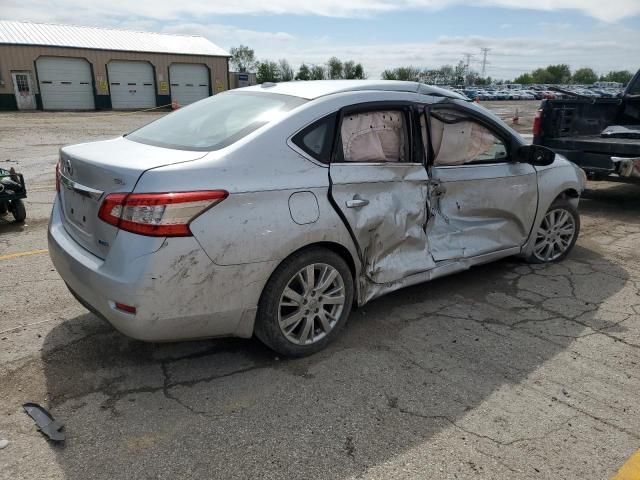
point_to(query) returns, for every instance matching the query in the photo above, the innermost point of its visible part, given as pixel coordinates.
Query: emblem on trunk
(68, 167)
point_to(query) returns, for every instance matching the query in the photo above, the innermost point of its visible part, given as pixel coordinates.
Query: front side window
(215, 122)
(374, 136)
(460, 140)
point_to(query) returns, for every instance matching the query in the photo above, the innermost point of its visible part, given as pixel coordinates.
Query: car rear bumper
(178, 292)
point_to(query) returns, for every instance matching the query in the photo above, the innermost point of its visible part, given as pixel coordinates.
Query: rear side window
(317, 139)
(377, 136)
(215, 122)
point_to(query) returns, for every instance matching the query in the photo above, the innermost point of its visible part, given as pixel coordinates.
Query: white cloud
(509, 57)
(609, 11)
(603, 47)
(228, 34)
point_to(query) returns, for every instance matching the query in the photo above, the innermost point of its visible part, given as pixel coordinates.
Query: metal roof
(318, 88)
(50, 35)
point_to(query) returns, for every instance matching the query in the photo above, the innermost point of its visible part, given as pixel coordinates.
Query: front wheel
(18, 210)
(305, 303)
(557, 233)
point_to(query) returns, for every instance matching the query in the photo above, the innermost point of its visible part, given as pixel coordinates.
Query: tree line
(562, 74)
(459, 74)
(243, 59)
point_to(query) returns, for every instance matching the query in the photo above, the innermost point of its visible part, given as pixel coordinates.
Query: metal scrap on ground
(45, 422)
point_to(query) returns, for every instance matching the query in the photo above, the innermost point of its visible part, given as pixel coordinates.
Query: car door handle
(357, 202)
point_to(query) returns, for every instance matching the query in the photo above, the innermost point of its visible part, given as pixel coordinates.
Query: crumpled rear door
(383, 200)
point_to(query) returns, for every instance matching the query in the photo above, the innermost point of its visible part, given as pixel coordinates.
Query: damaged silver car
(274, 210)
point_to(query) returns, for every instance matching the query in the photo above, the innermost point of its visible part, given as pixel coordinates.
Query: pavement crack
(483, 436)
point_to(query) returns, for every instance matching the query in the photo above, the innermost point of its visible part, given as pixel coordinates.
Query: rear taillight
(158, 214)
(537, 121)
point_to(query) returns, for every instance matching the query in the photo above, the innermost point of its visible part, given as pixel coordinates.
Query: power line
(485, 51)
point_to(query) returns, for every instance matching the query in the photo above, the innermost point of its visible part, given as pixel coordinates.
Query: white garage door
(131, 84)
(189, 82)
(65, 83)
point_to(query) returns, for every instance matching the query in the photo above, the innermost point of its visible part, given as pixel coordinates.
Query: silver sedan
(274, 210)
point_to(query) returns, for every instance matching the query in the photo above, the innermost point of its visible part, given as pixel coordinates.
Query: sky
(381, 34)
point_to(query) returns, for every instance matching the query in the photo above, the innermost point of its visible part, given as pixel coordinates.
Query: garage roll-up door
(131, 84)
(189, 82)
(65, 83)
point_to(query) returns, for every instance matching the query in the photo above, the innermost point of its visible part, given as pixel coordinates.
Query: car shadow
(406, 367)
(613, 200)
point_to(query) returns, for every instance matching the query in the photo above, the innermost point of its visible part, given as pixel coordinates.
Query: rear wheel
(3, 208)
(18, 210)
(557, 233)
(305, 303)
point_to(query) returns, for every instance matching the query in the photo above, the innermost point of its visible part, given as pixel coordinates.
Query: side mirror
(536, 155)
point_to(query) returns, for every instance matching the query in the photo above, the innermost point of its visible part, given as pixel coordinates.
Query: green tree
(542, 75)
(389, 75)
(304, 73)
(622, 76)
(402, 73)
(352, 70)
(358, 72)
(560, 73)
(268, 71)
(348, 69)
(334, 68)
(584, 76)
(285, 70)
(525, 79)
(317, 72)
(243, 58)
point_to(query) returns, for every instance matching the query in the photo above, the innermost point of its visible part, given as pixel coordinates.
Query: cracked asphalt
(506, 371)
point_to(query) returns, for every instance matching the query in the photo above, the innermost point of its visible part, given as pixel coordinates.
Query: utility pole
(485, 51)
(467, 61)
(467, 57)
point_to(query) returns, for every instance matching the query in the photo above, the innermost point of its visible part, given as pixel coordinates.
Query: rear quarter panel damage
(180, 288)
(258, 227)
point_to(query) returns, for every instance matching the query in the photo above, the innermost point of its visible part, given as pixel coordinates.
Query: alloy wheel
(311, 304)
(555, 235)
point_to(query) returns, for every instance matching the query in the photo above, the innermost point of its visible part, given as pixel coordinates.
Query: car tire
(557, 233)
(18, 210)
(3, 208)
(299, 313)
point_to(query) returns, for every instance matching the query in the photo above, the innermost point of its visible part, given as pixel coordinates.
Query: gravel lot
(506, 371)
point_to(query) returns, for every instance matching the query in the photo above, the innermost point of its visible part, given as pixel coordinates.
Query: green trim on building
(8, 101)
(103, 102)
(163, 100)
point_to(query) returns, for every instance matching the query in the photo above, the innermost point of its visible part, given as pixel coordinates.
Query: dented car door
(482, 200)
(379, 187)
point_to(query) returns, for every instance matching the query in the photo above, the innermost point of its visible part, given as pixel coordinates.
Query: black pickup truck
(600, 135)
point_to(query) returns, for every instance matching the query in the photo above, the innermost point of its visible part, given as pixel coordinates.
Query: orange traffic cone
(516, 118)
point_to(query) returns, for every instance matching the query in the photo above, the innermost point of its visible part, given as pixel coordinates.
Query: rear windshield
(215, 122)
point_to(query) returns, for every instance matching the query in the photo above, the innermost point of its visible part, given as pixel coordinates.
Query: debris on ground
(3, 443)
(45, 422)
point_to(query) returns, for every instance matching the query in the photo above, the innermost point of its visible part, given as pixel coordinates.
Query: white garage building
(62, 67)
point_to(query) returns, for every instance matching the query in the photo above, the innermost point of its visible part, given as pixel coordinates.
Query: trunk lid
(91, 171)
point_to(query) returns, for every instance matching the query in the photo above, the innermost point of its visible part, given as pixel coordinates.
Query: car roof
(311, 89)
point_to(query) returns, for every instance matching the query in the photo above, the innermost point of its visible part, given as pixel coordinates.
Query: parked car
(273, 210)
